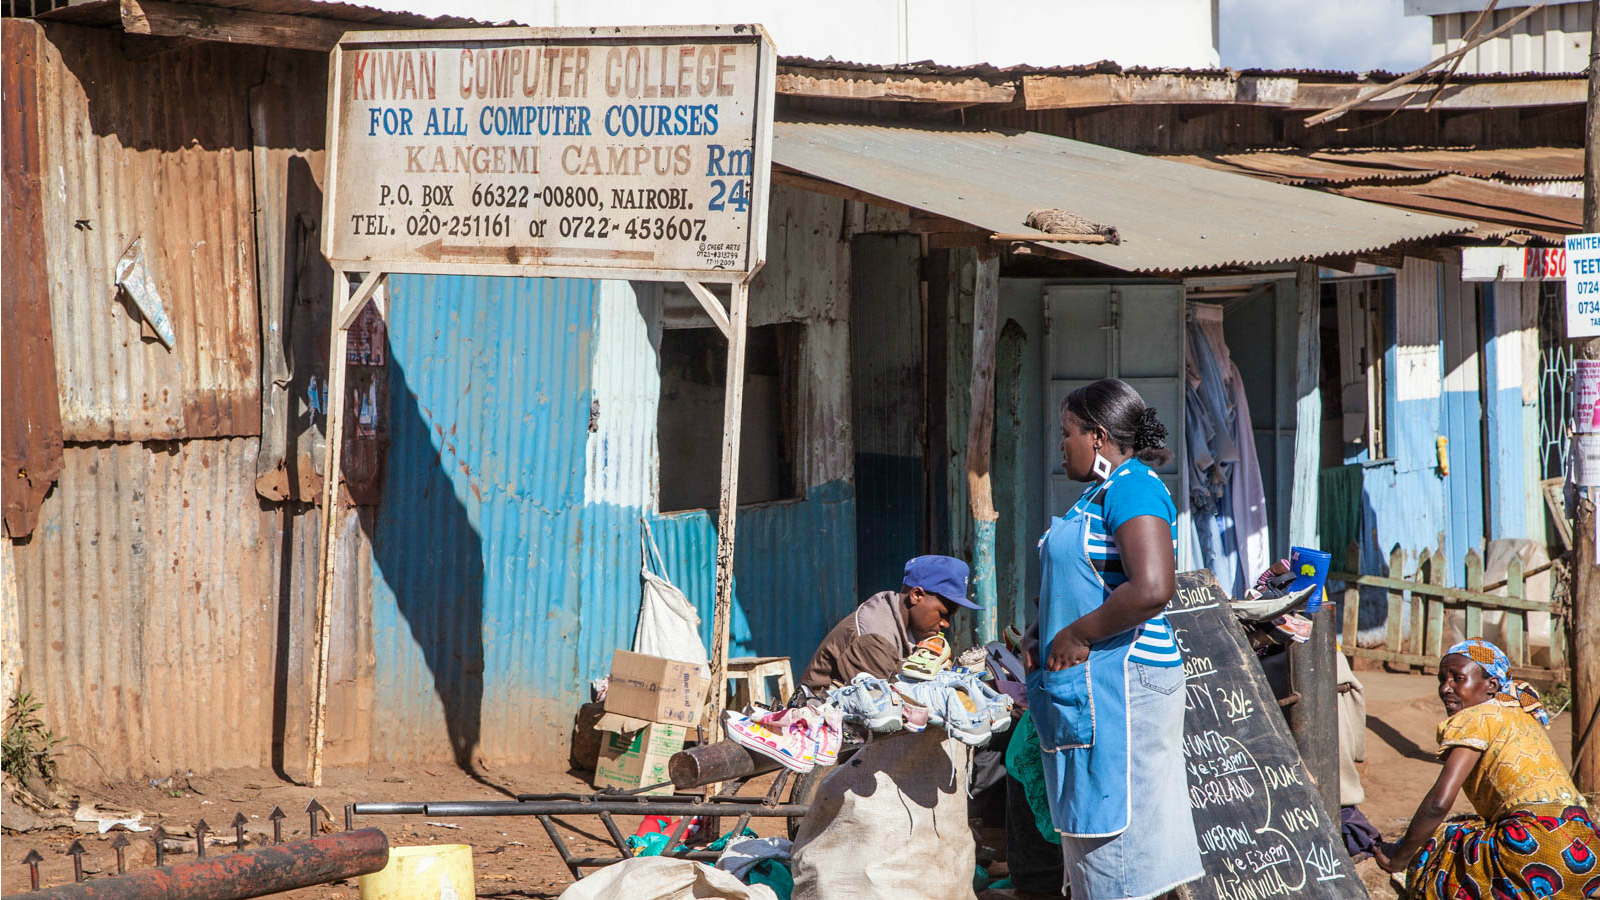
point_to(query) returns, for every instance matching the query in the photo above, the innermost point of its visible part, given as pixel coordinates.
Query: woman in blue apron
(1108, 699)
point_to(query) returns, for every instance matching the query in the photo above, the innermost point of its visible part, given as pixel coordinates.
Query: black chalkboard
(1263, 830)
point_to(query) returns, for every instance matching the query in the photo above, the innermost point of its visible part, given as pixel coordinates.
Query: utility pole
(1584, 602)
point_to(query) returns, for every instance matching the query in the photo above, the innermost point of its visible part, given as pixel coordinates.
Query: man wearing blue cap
(891, 821)
(885, 628)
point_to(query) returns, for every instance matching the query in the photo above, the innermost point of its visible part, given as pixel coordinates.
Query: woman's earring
(1102, 466)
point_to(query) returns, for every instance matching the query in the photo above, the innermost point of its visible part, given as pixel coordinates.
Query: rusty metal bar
(621, 808)
(237, 876)
(561, 846)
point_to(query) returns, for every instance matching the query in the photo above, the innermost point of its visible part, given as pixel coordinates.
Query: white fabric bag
(668, 625)
(664, 878)
(890, 823)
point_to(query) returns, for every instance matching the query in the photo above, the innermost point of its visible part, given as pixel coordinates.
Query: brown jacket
(872, 639)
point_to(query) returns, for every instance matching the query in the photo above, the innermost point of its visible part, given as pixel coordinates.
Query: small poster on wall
(1583, 285)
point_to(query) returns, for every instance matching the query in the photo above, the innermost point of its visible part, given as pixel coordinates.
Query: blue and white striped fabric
(1131, 491)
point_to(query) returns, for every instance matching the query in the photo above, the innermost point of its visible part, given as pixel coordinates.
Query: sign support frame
(731, 319)
(731, 322)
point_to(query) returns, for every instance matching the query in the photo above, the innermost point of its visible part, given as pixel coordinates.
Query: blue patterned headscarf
(1496, 665)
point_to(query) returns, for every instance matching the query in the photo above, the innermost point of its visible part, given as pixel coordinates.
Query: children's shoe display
(829, 729)
(786, 736)
(868, 700)
(966, 715)
(926, 697)
(927, 659)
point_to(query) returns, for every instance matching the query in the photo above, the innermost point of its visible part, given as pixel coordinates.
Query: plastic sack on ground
(668, 625)
(664, 878)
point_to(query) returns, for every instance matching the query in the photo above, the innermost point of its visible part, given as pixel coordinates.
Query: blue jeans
(1159, 850)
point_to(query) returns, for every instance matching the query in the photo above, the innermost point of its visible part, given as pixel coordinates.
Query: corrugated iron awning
(1334, 168)
(1502, 211)
(1171, 216)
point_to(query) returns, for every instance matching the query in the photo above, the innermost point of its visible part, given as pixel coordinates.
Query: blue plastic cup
(1310, 568)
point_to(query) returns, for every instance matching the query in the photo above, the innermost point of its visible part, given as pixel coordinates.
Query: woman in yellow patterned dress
(1531, 837)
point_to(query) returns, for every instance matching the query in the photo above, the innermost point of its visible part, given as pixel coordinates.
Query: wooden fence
(1417, 639)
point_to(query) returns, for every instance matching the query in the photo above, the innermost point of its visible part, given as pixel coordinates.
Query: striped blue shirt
(1131, 491)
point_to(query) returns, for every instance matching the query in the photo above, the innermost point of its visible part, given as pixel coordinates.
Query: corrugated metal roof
(1501, 211)
(108, 12)
(148, 611)
(157, 148)
(1111, 67)
(1171, 216)
(1344, 167)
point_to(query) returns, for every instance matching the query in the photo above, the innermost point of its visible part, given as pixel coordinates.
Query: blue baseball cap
(942, 575)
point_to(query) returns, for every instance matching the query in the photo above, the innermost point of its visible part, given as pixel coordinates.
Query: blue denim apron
(1081, 713)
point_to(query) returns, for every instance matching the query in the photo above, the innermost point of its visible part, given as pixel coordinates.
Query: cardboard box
(630, 760)
(655, 689)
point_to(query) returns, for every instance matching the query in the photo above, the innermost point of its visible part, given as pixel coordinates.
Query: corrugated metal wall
(1553, 39)
(476, 559)
(147, 609)
(157, 148)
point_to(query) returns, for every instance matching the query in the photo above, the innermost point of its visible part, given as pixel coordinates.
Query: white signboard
(1583, 285)
(617, 152)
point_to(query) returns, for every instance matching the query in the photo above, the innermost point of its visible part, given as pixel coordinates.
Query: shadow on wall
(431, 558)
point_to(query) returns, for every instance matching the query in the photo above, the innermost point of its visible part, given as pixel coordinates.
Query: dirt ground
(513, 857)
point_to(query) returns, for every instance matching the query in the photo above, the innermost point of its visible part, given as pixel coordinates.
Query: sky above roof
(1355, 35)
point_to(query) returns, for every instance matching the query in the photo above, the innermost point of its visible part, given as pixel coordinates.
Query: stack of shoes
(800, 738)
(927, 659)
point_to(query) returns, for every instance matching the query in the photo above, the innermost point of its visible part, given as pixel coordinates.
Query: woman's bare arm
(1432, 811)
(1145, 546)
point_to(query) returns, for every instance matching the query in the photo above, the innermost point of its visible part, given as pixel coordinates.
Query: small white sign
(1583, 285)
(591, 152)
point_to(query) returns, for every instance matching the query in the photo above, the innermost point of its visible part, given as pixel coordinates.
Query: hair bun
(1150, 433)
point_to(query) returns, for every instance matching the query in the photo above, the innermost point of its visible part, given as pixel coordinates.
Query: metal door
(1134, 332)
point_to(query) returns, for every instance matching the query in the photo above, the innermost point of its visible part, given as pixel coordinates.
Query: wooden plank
(1329, 115)
(234, 26)
(1118, 89)
(1474, 584)
(1395, 639)
(980, 440)
(1488, 601)
(1516, 620)
(1307, 407)
(727, 504)
(1556, 505)
(338, 342)
(846, 84)
(1352, 596)
(1435, 643)
(712, 306)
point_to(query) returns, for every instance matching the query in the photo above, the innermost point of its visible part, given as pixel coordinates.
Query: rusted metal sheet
(295, 282)
(1346, 167)
(107, 12)
(148, 608)
(1500, 210)
(155, 148)
(30, 458)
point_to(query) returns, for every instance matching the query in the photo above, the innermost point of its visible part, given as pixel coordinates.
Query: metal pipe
(618, 808)
(236, 876)
(390, 809)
